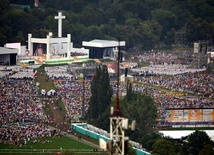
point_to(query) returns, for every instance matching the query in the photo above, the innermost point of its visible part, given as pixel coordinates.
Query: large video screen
(39, 49)
(189, 115)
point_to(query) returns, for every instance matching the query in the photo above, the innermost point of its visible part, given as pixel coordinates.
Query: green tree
(107, 31)
(130, 151)
(150, 32)
(196, 142)
(136, 7)
(63, 5)
(166, 19)
(141, 23)
(117, 13)
(6, 35)
(4, 6)
(163, 147)
(182, 12)
(166, 4)
(72, 18)
(91, 15)
(149, 139)
(19, 20)
(170, 37)
(93, 102)
(91, 32)
(22, 2)
(104, 4)
(20, 38)
(76, 30)
(206, 11)
(105, 91)
(100, 99)
(141, 108)
(120, 31)
(207, 150)
(51, 24)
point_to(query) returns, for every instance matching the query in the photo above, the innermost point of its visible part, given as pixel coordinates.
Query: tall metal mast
(117, 122)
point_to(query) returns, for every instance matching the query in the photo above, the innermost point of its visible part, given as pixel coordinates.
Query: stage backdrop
(189, 115)
(39, 49)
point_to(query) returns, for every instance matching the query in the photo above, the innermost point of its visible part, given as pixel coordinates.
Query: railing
(45, 150)
(83, 128)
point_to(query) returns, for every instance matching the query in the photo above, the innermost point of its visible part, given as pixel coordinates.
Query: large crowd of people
(193, 90)
(21, 114)
(21, 111)
(179, 85)
(200, 84)
(72, 95)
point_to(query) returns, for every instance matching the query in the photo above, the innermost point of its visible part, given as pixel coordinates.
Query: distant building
(98, 49)
(8, 56)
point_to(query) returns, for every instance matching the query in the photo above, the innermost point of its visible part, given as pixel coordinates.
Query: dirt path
(59, 120)
(55, 111)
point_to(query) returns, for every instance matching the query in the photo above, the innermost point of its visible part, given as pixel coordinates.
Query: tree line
(143, 24)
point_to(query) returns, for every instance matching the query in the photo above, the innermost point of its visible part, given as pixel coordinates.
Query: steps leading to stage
(22, 65)
(39, 61)
(97, 60)
(75, 58)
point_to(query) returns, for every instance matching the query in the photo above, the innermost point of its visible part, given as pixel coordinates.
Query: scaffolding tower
(180, 39)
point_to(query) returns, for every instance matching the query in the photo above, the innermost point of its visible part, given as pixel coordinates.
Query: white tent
(43, 92)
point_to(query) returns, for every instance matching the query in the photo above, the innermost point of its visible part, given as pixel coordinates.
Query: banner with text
(189, 115)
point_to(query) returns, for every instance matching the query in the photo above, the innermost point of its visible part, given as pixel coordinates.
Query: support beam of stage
(69, 45)
(30, 44)
(48, 48)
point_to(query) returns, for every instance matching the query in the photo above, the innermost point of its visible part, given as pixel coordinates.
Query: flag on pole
(35, 74)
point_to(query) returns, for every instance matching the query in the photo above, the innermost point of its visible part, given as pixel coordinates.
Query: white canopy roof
(177, 134)
(103, 43)
(4, 50)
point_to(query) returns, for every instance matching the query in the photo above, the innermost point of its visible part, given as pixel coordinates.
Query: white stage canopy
(177, 134)
(103, 43)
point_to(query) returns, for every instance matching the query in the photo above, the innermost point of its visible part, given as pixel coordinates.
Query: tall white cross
(60, 18)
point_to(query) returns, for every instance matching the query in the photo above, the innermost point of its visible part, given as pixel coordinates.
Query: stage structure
(99, 49)
(54, 46)
(8, 56)
(180, 38)
(118, 124)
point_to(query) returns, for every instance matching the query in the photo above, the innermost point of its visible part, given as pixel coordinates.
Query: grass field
(54, 153)
(54, 142)
(49, 145)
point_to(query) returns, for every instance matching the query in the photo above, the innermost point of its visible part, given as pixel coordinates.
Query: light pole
(83, 97)
(118, 123)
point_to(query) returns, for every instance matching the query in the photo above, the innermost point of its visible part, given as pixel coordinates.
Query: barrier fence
(28, 151)
(86, 129)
